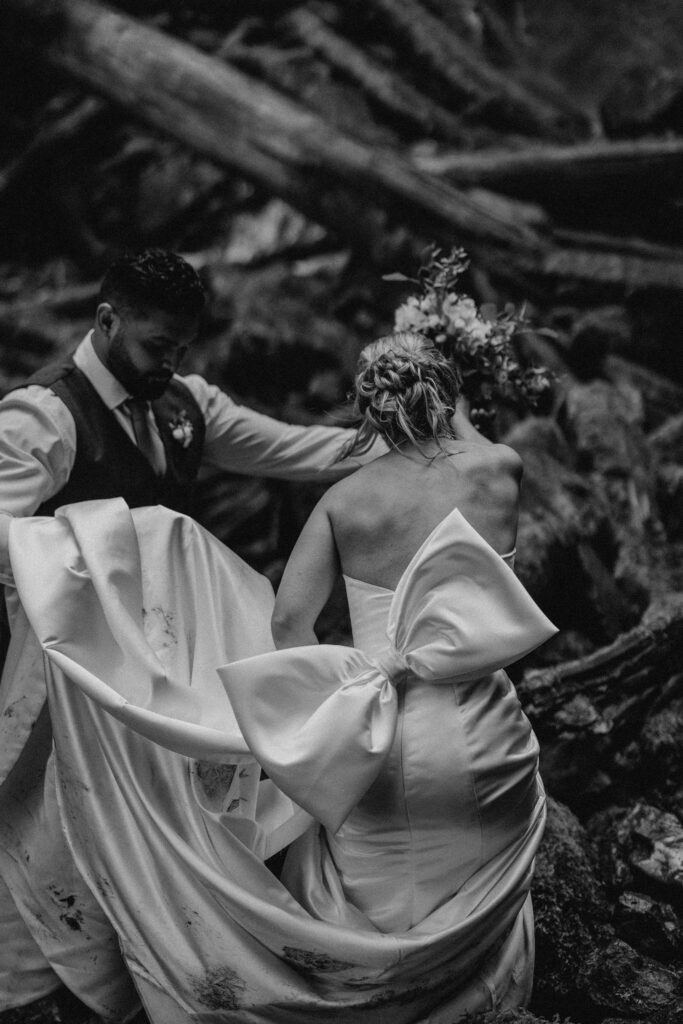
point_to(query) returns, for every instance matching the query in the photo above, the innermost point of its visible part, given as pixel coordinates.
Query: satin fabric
(446, 800)
(322, 719)
(173, 849)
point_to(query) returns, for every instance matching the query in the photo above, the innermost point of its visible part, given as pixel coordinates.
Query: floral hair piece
(478, 341)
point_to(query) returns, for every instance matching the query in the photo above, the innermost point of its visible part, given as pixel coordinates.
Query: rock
(603, 431)
(606, 434)
(595, 335)
(672, 1014)
(659, 855)
(651, 395)
(620, 979)
(516, 1016)
(571, 768)
(273, 230)
(565, 531)
(652, 928)
(654, 759)
(644, 845)
(605, 827)
(587, 711)
(660, 743)
(571, 913)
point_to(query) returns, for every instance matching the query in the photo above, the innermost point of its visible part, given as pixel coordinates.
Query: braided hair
(406, 390)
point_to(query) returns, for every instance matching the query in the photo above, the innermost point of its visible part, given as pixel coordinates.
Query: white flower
(459, 309)
(480, 330)
(182, 430)
(409, 317)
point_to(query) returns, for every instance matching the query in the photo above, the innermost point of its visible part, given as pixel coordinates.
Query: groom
(116, 420)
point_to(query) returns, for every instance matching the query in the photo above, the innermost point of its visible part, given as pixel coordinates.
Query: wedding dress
(402, 770)
(459, 783)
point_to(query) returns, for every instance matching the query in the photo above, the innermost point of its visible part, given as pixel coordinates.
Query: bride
(460, 779)
(400, 772)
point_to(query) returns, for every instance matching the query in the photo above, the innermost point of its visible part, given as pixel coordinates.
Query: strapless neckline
(507, 558)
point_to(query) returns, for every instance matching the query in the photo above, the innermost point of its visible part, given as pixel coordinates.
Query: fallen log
(608, 689)
(247, 126)
(462, 16)
(466, 73)
(612, 268)
(383, 86)
(58, 134)
(538, 171)
(605, 265)
(360, 192)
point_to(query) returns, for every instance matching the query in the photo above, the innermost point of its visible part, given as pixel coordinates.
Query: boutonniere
(182, 429)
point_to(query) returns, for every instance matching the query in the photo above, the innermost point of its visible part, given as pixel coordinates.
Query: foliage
(479, 341)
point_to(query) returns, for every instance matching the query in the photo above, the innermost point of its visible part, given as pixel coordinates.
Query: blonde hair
(406, 390)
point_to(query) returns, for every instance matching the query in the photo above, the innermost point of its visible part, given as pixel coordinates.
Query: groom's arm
(240, 440)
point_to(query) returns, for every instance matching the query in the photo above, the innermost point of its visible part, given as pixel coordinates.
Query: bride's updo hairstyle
(406, 391)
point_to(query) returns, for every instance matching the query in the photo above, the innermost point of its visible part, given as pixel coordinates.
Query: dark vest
(108, 464)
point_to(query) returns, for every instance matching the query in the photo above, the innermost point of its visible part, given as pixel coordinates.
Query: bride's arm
(307, 582)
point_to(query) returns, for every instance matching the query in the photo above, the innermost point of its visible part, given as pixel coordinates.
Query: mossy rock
(571, 913)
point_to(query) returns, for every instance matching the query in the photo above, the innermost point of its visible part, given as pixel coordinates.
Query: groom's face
(144, 348)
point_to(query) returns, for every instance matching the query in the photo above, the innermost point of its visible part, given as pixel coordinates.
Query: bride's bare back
(370, 525)
(382, 514)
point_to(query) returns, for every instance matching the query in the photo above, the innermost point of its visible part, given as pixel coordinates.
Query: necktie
(138, 409)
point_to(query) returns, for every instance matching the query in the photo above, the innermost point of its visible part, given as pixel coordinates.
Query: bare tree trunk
(608, 688)
(356, 190)
(654, 163)
(466, 73)
(247, 126)
(382, 85)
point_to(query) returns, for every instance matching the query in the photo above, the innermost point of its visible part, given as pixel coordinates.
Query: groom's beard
(140, 385)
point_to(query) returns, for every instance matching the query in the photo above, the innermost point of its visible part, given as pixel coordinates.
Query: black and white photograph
(341, 512)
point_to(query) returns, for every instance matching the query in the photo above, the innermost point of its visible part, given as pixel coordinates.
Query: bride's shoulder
(367, 487)
(507, 458)
(495, 458)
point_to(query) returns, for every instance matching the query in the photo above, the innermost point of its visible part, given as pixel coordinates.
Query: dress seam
(402, 713)
(470, 772)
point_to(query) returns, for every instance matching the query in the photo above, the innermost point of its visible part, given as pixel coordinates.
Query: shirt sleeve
(240, 440)
(37, 452)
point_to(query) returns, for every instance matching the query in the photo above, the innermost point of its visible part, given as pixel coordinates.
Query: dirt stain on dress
(219, 988)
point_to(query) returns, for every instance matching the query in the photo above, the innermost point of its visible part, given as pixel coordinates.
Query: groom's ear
(107, 319)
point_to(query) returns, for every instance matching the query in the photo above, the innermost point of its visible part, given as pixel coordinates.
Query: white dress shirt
(38, 440)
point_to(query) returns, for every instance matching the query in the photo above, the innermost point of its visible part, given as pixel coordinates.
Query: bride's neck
(431, 449)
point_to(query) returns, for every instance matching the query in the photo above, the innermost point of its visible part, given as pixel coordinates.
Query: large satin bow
(321, 719)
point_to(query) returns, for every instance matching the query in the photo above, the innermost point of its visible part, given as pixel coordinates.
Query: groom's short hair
(153, 279)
